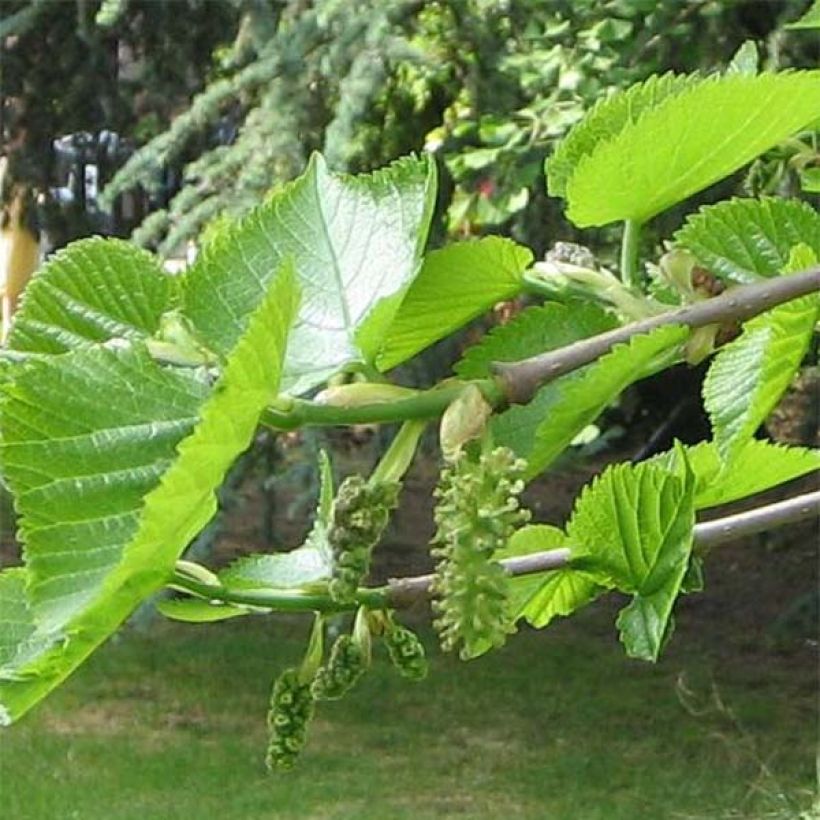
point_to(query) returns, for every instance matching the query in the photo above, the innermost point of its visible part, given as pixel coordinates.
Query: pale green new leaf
(744, 239)
(810, 20)
(605, 121)
(747, 377)
(456, 284)
(759, 466)
(356, 244)
(541, 430)
(687, 142)
(541, 597)
(310, 564)
(114, 462)
(632, 529)
(197, 611)
(745, 60)
(89, 292)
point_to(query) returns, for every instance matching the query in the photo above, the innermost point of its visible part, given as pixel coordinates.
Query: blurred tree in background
(225, 99)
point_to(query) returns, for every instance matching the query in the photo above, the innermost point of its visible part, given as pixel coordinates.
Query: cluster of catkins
(361, 512)
(292, 701)
(406, 651)
(346, 664)
(476, 513)
(291, 708)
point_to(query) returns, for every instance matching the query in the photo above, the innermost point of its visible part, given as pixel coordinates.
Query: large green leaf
(632, 529)
(456, 284)
(688, 141)
(541, 430)
(759, 466)
(91, 291)
(542, 596)
(114, 461)
(605, 121)
(356, 243)
(744, 239)
(747, 377)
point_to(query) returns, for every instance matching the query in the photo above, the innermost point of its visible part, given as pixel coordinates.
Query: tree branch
(517, 382)
(406, 591)
(521, 380)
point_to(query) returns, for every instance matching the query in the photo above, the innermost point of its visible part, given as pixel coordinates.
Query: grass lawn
(170, 724)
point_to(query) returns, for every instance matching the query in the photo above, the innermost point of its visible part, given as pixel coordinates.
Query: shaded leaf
(534, 330)
(542, 429)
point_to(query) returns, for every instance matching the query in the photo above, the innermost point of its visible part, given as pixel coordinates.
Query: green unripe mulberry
(291, 708)
(361, 512)
(347, 663)
(406, 651)
(476, 513)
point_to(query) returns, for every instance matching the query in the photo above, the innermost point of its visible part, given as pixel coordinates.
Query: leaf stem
(426, 405)
(629, 253)
(281, 600)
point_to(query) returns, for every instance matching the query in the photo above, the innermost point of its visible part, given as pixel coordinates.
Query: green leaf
(687, 142)
(296, 569)
(19, 639)
(605, 121)
(749, 375)
(632, 529)
(744, 239)
(114, 461)
(811, 19)
(534, 330)
(810, 180)
(197, 611)
(759, 466)
(302, 567)
(356, 243)
(541, 430)
(542, 596)
(456, 284)
(89, 292)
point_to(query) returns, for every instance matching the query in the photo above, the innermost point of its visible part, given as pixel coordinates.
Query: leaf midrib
(336, 267)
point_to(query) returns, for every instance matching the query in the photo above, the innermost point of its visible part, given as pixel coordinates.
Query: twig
(520, 380)
(517, 382)
(406, 591)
